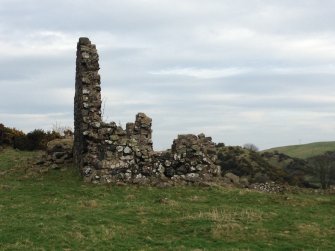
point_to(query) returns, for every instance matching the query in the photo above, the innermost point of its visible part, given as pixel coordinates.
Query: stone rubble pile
(268, 187)
(58, 153)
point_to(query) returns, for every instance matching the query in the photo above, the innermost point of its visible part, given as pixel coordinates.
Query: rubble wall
(87, 106)
(105, 152)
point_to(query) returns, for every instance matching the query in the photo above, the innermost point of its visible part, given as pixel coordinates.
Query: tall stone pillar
(87, 107)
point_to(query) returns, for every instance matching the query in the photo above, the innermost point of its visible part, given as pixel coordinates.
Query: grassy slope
(305, 151)
(56, 211)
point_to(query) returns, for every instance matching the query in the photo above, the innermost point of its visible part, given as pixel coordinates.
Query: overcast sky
(259, 71)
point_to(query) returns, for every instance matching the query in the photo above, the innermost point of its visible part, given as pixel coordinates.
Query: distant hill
(306, 150)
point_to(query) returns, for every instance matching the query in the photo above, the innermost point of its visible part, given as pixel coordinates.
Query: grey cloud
(30, 67)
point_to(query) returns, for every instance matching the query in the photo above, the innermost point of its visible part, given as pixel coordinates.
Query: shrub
(38, 139)
(21, 143)
(8, 135)
(35, 140)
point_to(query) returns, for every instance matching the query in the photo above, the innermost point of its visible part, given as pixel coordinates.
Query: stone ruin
(59, 152)
(105, 152)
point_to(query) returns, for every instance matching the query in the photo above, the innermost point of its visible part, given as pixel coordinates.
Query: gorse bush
(8, 135)
(35, 140)
(38, 139)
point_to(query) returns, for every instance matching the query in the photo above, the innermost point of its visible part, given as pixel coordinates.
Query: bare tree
(324, 167)
(251, 147)
(61, 130)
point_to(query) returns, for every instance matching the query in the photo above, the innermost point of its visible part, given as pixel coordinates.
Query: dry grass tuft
(5, 187)
(130, 197)
(99, 233)
(228, 216)
(229, 223)
(224, 230)
(107, 233)
(141, 210)
(310, 229)
(196, 198)
(89, 204)
(77, 236)
(19, 245)
(168, 202)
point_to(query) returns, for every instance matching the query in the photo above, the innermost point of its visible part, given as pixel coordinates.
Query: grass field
(56, 211)
(305, 151)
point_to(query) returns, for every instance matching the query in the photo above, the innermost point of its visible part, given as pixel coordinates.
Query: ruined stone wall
(191, 158)
(125, 154)
(87, 106)
(105, 152)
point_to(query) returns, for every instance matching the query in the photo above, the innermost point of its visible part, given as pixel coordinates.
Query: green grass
(305, 151)
(55, 210)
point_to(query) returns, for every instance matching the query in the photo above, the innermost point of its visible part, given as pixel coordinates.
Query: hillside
(55, 210)
(246, 163)
(306, 150)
